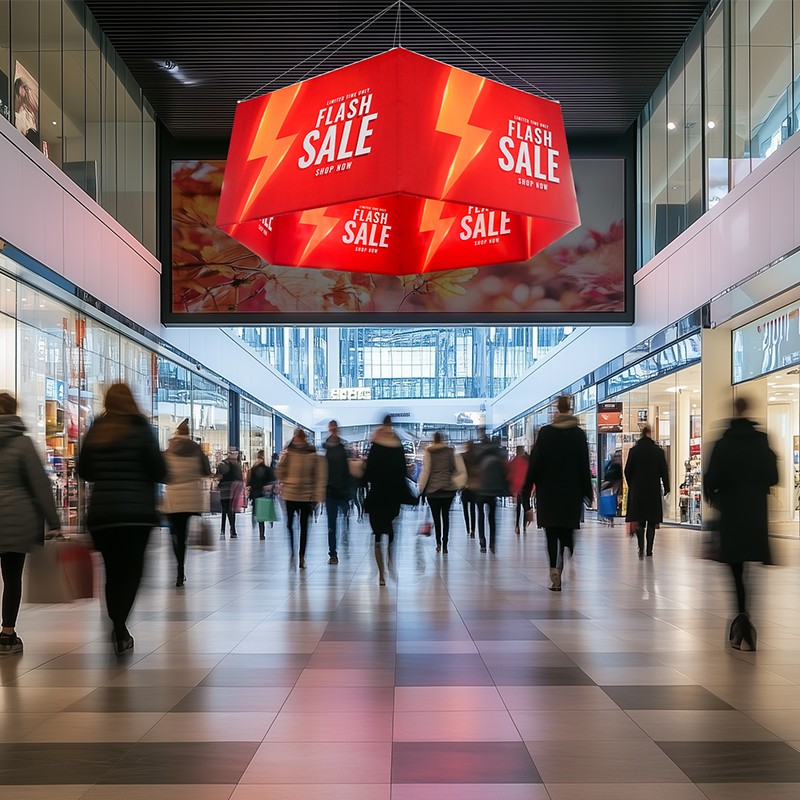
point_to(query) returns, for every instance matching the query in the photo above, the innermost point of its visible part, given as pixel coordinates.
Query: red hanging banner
(397, 164)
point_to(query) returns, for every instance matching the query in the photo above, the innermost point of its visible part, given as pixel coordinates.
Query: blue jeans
(332, 506)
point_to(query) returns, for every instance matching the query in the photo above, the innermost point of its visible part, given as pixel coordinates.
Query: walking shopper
(185, 493)
(646, 473)
(491, 460)
(559, 468)
(302, 474)
(260, 480)
(468, 504)
(741, 470)
(230, 483)
(121, 459)
(339, 486)
(385, 475)
(442, 474)
(26, 498)
(517, 470)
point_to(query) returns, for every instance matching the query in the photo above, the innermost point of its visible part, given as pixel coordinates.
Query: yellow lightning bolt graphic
(266, 143)
(460, 95)
(432, 221)
(324, 225)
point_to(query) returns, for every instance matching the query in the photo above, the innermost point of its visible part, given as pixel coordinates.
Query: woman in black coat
(646, 472)
(559, 470)
(121, 458)
(385, 474)
(741, 470)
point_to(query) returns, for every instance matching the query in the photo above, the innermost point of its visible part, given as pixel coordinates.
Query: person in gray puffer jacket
(26, 498)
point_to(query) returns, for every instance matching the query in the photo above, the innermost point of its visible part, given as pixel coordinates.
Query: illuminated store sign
(398, 165)
(768, 344)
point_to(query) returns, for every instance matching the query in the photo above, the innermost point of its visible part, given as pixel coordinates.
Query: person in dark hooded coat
(741, 470)
(559, 469)
(646, 472)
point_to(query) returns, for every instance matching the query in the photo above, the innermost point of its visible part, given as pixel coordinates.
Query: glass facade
(59, 362)
(403, 363)
(66, 90)
(729, 100)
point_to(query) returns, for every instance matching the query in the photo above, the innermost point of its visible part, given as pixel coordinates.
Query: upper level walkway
(258, 680)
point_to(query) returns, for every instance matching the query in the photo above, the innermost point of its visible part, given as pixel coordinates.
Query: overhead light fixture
(54, 122)
(711, 124)
(670, 126)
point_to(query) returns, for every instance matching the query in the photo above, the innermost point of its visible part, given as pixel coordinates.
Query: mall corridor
(463, 678)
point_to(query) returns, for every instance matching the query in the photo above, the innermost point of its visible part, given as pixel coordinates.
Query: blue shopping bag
(608, 505)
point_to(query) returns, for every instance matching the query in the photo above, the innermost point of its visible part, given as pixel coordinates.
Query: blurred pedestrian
(442, 474)
(385, 475)
(121, 459)
(302, 473)
(517, 470)
(559, 468)
(260, 482)
(493, 483)
(26, 497)
(741, 470)
(611, 488)
(646, 473)
(230, 483)
(468, 504)
(185, 493)
(339, 485)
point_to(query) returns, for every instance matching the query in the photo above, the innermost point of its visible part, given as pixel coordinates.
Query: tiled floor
(462, 679)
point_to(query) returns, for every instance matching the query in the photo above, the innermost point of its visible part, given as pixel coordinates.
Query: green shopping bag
(265, 510)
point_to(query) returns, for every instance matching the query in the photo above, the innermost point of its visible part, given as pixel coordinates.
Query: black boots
(742, 634)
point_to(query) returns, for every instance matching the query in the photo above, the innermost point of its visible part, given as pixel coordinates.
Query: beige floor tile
(211, 727)
(326, 727)
(157, 791)
(637, 676)
(59, 792)
(577, 726)
(447, 698)
(347, 698)
(38, 699)
(553, 698)
(15, 725)
(622, 791)
(345, 677)
(454, 726)
(315, 763)
(335, 791)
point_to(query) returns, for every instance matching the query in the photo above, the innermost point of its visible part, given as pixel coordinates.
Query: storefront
(59, 361)
(766, 370)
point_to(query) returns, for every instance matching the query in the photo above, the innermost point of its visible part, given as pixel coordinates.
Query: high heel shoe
(743, 635)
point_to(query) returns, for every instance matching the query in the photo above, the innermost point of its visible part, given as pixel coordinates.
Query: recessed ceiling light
(670, 126)
(54, 122)
(712, 124)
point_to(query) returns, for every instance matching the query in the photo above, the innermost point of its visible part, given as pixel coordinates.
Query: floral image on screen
(213, 275)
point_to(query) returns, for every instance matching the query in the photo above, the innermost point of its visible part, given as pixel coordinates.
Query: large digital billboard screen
(579, 279)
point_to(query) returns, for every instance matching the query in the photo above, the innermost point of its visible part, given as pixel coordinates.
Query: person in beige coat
(303, 475)
(185, 494)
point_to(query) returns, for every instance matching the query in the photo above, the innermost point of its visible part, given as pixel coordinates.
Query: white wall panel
(74, 244)
(782, 215)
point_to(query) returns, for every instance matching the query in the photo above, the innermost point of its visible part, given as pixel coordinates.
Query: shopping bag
(608, 505)
(200, 535)
(214, 503)
(264, 510)
(631, 528)
(59, 572)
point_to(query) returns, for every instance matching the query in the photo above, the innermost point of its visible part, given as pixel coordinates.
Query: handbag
(59, 572)
(264, 510)
(201, 536)
(214, 503)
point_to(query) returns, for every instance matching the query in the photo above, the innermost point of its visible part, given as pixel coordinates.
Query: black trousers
(558, 540)
(440, 508)
(469, 508)
(11, 565)
(646, 535)
(123, 550)
(737, 568)
(229, 513)
(303, 509)
(178, 527)
(490, 505)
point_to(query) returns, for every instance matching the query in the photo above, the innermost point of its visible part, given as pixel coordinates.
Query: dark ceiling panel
(602, 60)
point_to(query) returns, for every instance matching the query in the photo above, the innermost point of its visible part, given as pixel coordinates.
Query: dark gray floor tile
(619, 659)
(233, 698)
(279, 676)
(666, 698)
(264, 661)
(455, 676)
(462, 762)
(115, 699)
(31, 764)
(540, 676)
(437, 662)
(735, 762)
(182, 763)
(497, 630)
(554, 613)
